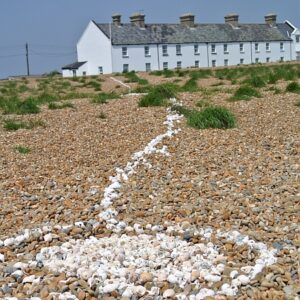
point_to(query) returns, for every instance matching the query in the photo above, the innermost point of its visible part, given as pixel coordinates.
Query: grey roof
(74, 66)
(130, 34)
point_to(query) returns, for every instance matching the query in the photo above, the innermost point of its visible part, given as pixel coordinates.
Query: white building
(118, 47)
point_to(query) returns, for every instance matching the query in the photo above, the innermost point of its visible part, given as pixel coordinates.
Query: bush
(102, 98)
(14, 105)
(132, 77)
(256, 81)
(54, 105)
(23, 150)
(245, 93)
(190, 86)
(212, 117)
(13, 125)
(293, 87)
(159, 95)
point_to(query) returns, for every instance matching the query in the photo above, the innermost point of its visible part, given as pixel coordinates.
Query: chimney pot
(138, 19)
(232, 19)
(271, 19)
(187, 20)
(116, 18)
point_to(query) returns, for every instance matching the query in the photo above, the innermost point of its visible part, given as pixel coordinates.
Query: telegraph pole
(27, 59)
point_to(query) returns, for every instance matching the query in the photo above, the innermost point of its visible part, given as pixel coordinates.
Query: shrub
(212, 117)
(14, 105)
(256, 81)
(190, 86)
(93, 84)
(54, 105)
(23, 150)
(245, 93)
(159, 95)
(13, 125)
(102, 98)
(293, 87)
(132, 77)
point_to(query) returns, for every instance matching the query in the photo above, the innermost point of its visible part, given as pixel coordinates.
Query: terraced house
(118, 47)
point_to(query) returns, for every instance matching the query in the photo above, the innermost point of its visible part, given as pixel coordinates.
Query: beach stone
(145, 277)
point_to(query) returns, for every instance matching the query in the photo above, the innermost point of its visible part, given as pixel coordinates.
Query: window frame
(281, 46)
(257, 60)
(164, 50)
(213, 49)
(147, 64)
(197, 64)
(100, 70)
(268, 59)
(165, 65)
(268, 48)
(179, 64)
(125, 52)
(242, 61)
(297, 38)
(124, 71)
(225, 48)
(196, 47)
(242, 48)
(214, 63)
(226, 62)
(178, 50)
(147, 51)
(256, 47)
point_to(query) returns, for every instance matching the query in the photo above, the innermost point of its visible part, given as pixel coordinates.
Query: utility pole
(27, 59)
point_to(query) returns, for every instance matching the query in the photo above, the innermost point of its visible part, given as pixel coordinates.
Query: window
(197, 64)
(281, 58)
(165, 50)
(241, 47)
(125, 68)
(213, 48)
(225, 48)
(165, 66)
(256, 47)
(83, 73)
(241, 61)
(148, 67)
(124, 52)
(178, 49)
(214, 63)
(268, 47)
(196, 50)
(74, 73)
(256, 60)
(100, 70)
(179, 65)
(298, 55)
(147, 51)
(297, 38)
(281, 47)
(225, 62)
(268, 59)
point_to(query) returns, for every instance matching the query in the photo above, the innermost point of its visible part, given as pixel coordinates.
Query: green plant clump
(54, 105)
(14, 105)
(293, 87)
(190, 86)
(159, 95)
(212, 117)
(102, 98)
(23, 150)
(13, 125)
(245, 93)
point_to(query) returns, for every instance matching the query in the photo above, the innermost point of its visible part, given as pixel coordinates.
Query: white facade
(95, 48)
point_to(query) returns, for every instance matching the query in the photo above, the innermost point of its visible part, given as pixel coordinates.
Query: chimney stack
(232, 19)
(116, 19)
(138, 19)
(187, 20)
(271, 19)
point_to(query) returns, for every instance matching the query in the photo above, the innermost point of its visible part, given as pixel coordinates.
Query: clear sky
(52, 27)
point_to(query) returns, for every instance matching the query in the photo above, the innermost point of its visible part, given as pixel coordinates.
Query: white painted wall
(95, 48)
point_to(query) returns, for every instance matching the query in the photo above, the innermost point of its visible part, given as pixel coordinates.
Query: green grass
(190, 86)
(54, 105)
(245, 93)
(159, 95)
(203, 103)
(255, 81)
(16, 106)
(93, 84)
(102, 98)
(13, 125)
(132, 77)
(212, 117)
(23, 150)
(293, 87)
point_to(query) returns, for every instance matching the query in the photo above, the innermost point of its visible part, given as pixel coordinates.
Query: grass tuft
(23, 150)
(293, 87)
(245, 93)
(212, 117)
(54, 105)
(159, 95)
(102, 98)
(13, 125)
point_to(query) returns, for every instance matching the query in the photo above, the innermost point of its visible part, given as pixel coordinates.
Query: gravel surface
(210, 214)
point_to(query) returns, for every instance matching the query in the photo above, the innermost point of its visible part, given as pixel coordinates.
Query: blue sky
(52, 27)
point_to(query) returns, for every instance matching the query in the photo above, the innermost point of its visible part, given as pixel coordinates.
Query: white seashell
(2, 259)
